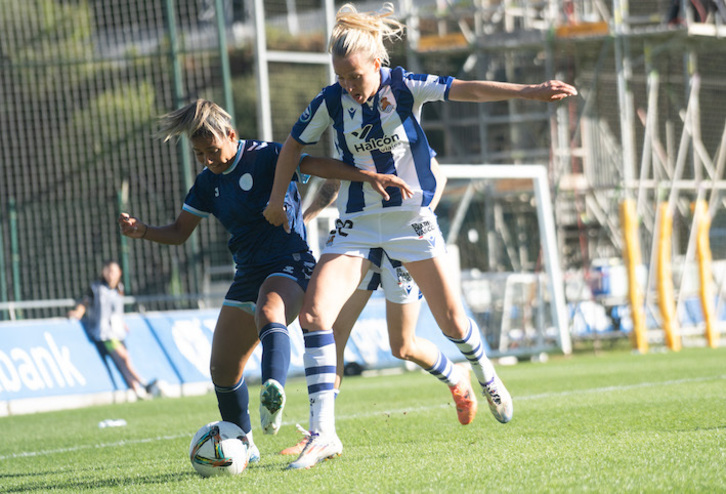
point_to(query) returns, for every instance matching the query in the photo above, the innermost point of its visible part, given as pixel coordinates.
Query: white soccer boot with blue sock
(272, 402)
(499, 399)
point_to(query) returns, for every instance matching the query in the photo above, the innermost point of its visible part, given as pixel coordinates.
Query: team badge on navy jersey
(245, 182)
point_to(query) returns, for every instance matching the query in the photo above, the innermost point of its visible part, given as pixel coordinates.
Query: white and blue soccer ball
(218, 448)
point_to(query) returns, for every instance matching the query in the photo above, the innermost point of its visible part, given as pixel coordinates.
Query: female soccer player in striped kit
(374, 113)
(272, 266)
(402, 309)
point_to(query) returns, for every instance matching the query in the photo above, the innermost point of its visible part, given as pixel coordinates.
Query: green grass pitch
(614, 422)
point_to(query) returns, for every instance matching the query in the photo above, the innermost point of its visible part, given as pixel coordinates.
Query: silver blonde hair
(202, 118)
(364, 32)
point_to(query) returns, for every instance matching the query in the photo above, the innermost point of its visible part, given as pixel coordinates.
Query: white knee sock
(320, 361)
(472, 348)
(443, 370)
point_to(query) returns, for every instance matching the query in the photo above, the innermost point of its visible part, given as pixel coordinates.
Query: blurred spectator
(676, 17)
(102, 313)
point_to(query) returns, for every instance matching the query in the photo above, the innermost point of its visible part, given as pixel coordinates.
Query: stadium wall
(50, 364)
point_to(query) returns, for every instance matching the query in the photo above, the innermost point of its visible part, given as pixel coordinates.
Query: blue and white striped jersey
(383, 135)
(238, 197)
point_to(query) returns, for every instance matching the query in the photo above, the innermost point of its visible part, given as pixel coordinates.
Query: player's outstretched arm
(332, 168)
(484, 91)
(287, 163)
(172, 234)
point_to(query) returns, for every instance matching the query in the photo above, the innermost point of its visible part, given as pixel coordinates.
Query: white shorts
(407, 236)
(393, 277)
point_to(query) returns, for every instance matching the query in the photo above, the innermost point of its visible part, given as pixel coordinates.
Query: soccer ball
(219, 448)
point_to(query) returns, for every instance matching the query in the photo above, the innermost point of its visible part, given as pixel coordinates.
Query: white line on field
(607, 389)
(621, 388)
(27, 454)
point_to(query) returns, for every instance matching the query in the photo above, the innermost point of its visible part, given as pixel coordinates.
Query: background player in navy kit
(374, 113)
(272, 266)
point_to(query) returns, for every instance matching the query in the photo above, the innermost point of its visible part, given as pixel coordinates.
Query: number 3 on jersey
(341, 225)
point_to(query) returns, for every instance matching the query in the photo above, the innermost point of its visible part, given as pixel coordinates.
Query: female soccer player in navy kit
(272, 266)
(374, 113)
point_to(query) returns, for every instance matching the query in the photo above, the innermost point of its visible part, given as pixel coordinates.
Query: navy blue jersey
(238, 196)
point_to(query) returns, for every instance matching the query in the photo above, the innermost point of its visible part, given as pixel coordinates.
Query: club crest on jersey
(423, 228)
(385, 106)
(245, 182)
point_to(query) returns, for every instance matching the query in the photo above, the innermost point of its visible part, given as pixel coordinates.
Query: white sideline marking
(621, 388)
(28, 454)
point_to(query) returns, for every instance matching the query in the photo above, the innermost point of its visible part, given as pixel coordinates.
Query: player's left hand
(550, 91)
(380, 181)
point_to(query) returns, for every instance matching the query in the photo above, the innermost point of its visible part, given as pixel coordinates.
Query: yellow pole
(664, 281)
(631, 254)
(703, 250)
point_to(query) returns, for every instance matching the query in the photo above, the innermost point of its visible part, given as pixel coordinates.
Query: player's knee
(224, 374)
(456, 327)
(310, 321)
(267, 314)
(402, 351)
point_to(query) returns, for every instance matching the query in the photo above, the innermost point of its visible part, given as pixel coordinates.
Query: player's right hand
(131, 227)
(380, 181)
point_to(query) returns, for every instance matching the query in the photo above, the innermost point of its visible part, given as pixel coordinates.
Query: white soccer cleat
(272, 402)
(253, 452)
(499, 399)
(317, 449)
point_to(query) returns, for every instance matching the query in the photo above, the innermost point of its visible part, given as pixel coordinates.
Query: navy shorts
(247, 281)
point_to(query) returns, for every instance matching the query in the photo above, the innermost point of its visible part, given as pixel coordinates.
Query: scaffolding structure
(591, 163)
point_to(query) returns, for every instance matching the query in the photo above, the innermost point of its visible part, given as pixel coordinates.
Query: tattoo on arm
(327, 194)
(324, 197)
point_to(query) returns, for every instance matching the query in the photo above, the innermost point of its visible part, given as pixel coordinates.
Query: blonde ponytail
(364, 32)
